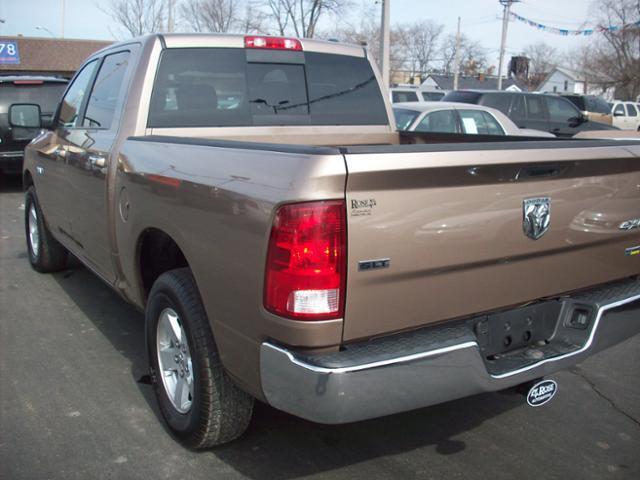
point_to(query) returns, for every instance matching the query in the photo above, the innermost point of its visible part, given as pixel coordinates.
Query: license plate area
(501, 333)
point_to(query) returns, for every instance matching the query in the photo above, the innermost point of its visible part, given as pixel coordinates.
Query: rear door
(449, 226)
(564, 117)
(619, 116)
(632, 116)
(537, 114)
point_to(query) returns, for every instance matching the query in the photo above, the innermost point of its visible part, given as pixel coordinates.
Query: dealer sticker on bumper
(541, 393)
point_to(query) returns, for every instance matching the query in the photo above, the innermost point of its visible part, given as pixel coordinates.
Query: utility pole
(169, 16)
(62, 20)
(456, 66)
(506, 4)
(385, 38)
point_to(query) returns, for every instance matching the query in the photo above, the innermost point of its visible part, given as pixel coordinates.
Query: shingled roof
(445, 82)
(51, 55)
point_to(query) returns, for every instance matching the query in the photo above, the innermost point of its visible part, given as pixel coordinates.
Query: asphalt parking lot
(72, 405)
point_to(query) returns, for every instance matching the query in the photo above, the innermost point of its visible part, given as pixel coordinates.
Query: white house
(561, 80)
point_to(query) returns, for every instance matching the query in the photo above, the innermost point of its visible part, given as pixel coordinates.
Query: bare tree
(300, 17)
(211, 15)
(616, 53)
(473, 56)
(542, 58)
(278, 11)
(367, 33)
(137, 17)
(421, 44)
(254, 19)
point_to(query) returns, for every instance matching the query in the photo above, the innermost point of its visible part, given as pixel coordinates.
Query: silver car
(452, 117)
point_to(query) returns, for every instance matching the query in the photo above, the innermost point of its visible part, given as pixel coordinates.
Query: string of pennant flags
(566, 32)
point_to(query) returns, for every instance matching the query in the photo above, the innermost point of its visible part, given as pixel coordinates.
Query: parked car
(408, 94)
(453, 117)
(17, 90)
(293, 247)
(549, 113)
(594, 107)
(626, 115)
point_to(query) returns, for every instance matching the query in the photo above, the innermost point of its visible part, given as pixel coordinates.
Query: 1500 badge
(630, 224)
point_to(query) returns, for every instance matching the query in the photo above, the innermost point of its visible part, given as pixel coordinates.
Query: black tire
(46, 254)
(219, 411)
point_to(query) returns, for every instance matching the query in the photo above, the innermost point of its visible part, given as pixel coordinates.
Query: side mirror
(618, 114)
(25, 115)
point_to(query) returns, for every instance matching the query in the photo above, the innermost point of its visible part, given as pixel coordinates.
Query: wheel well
(157, 253)
(27, 180)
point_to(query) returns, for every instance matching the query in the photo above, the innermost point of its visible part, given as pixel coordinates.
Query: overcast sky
(480, 19)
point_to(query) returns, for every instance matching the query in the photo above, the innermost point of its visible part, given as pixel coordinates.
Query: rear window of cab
(217, 87)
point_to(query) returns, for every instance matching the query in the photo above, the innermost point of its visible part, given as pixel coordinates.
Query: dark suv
(550, 113)
(594, 107)
(17, 91)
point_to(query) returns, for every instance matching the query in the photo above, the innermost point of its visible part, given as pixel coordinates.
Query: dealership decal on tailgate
(541, 393)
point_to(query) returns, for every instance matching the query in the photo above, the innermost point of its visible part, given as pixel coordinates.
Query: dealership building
(45, 56)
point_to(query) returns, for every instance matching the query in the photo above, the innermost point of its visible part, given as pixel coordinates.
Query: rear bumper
(409, 371)
(11, 162)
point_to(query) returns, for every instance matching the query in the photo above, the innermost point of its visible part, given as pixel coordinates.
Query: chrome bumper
(449, 368)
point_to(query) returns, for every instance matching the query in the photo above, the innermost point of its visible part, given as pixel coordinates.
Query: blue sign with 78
(9, 53)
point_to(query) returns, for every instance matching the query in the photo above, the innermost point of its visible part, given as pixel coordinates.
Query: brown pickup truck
(251, 195)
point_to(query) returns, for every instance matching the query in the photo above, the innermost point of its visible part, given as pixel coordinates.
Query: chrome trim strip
(370, 366)
(12, 154)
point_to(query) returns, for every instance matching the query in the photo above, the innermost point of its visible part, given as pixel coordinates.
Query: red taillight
(274, 43)
(306, 261)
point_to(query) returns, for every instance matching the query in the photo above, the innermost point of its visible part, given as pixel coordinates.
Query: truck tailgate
(450, 221)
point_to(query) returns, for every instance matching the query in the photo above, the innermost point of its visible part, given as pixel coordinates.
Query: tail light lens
(306, 261)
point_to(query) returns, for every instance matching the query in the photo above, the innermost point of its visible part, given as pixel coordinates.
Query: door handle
(97, 161)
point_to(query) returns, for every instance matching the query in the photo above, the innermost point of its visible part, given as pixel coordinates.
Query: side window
(619, 110)
(399, 97)
(535, 108)
(277, 93)
(104, 96)
(561, 110)
(72, 101)
(443, 121)
(432, 96)
(499, 101)
(591, 105)
(473, 122)
(493, 126)
(631, 110)
(518, 109)
(601, 106)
